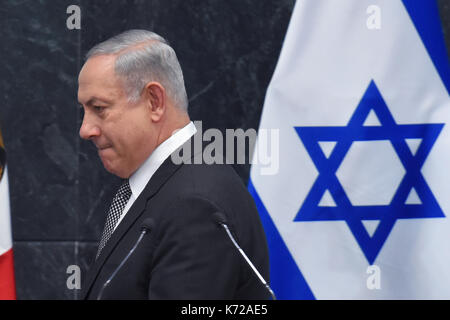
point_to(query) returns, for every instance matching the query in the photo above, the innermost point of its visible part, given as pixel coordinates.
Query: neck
(178, 120)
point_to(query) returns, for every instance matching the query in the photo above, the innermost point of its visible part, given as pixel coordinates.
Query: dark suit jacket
(187, 255)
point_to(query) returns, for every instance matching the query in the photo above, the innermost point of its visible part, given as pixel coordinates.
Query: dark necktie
(115, 211)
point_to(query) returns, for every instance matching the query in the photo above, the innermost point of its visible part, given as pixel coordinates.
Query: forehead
(97, 79)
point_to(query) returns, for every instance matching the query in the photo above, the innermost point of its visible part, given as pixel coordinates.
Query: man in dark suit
(135, 112)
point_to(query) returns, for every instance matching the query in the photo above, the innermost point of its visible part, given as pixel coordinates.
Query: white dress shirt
(141, 177)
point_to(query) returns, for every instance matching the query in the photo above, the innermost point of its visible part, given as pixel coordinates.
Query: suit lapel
(164, 172)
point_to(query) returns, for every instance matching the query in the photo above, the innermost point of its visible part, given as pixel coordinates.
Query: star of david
(344, 136)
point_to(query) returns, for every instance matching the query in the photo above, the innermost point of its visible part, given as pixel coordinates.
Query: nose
(89, 129)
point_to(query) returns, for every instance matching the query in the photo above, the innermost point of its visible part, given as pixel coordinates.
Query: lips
(102, 147)
(103, 150)
(104, 153)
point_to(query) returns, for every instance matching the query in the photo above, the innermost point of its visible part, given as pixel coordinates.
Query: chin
(117, 172)
(117, 168)
(112, 169)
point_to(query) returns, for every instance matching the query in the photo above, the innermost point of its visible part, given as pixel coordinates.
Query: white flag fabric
(7, 283)
(360, 205)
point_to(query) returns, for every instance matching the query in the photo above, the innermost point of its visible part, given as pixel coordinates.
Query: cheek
(118, 136)
(129, 142)
(139, 133)
(132, 136)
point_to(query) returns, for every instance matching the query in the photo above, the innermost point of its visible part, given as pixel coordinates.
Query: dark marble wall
(59, 189)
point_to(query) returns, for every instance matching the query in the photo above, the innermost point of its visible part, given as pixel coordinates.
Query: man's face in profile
(121, 131)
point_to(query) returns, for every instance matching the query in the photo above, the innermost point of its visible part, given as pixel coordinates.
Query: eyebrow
(93, 101)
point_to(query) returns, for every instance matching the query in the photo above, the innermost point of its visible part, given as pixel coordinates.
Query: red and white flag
(7, 283)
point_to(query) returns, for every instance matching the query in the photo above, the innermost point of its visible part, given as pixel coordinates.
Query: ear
(155, 95)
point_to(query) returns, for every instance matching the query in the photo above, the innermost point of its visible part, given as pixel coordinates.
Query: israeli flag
(359, 206)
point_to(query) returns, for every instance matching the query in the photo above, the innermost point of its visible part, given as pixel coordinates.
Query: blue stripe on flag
(425, 17)
(286, 279)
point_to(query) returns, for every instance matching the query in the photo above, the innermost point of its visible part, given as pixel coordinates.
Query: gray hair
(144, 56)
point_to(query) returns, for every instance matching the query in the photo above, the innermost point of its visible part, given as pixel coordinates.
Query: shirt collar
(140, 178)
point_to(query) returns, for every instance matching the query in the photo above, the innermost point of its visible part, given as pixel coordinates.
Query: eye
(98, 108)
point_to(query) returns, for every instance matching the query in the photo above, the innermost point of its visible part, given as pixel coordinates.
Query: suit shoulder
(217, 183)
(215, 175)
